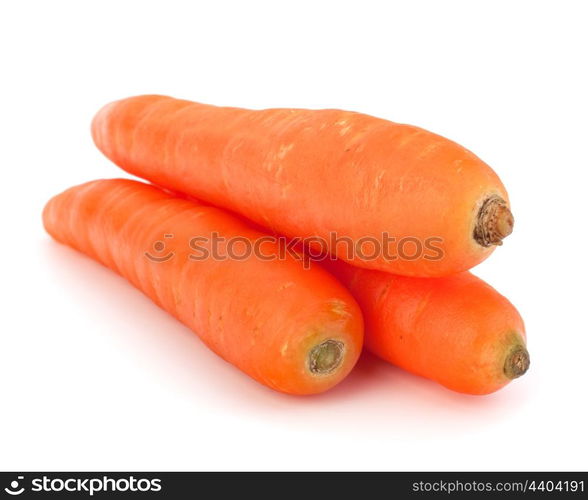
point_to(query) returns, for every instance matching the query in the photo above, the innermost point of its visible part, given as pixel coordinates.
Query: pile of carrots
(226, 174)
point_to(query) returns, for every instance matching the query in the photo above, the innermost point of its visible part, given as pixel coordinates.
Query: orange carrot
(456, 330)
(295, 330)
(432, 206)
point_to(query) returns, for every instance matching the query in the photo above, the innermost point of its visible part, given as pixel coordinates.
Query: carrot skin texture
(306, 173)
(263, 316)
(456, 330)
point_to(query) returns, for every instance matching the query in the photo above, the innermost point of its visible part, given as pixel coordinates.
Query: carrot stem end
(325, 357)
(494, 222)
(517, 362)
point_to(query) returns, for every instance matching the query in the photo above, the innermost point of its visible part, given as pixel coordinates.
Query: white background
(94, 376)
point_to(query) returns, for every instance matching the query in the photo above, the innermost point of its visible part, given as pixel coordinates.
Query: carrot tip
(517, 362)
(494, 222)
(325, 357)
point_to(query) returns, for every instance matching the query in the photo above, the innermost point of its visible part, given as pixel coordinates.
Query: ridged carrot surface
(295, 330)
(325, 173)
(457, 330)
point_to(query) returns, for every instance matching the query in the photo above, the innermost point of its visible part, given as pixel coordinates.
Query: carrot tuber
(456, 330)
(295, 330)
(432, 206)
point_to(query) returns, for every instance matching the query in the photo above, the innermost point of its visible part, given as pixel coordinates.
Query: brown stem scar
(325, 357)
(517, 362)
(494, 222)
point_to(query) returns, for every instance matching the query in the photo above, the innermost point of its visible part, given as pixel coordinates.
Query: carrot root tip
(325, 357)
(494, 222)
(517, 362)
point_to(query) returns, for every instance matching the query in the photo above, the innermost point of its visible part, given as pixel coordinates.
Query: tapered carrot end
(517, 362)
(494, 222)
(325, 357)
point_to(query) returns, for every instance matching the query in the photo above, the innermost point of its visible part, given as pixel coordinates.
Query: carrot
(297, 331)
(432, 206)
(456, 330)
